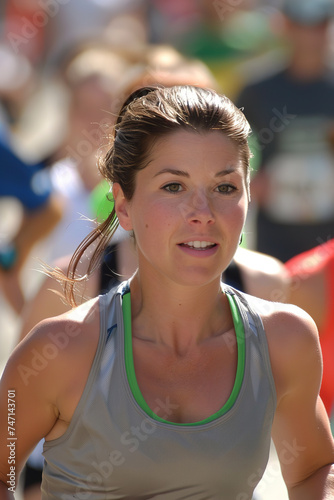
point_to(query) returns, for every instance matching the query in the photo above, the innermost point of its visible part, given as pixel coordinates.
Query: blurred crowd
(66, 66)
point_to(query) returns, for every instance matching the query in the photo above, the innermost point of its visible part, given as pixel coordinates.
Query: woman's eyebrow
(172, 171)
(226, 171)
(182, 173)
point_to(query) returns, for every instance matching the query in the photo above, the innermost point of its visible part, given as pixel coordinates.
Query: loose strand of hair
(103, 233)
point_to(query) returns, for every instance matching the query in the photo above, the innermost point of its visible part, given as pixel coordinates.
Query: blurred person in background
(291, 112)
(122, 24)
(22, 181)
(18, 81)
(89, 75)
(30, 186)
(24, 28)
(312, 288)
(223, 34)
(43, 30)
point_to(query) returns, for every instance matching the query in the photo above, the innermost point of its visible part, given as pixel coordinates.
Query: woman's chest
(197, 384)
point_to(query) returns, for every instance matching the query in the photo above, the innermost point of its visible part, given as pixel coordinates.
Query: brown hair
(151, 113)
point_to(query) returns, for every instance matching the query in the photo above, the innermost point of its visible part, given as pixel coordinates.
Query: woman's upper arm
(301, 429)
(45, 377)
(28, 389)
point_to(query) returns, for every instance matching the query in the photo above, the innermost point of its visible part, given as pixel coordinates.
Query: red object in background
(321, 259)
(25, 24)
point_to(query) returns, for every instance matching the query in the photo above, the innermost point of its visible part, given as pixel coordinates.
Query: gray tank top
(116, 447)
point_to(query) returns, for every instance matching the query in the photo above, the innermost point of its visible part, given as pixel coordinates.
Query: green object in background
(101, 201)
(255, 161)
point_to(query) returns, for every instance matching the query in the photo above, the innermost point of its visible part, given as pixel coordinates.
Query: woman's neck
(178, 317)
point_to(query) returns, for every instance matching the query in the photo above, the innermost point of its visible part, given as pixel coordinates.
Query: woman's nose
(197, 209)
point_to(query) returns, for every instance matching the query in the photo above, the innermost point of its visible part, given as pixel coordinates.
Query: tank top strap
(245, 307)
(250, 310)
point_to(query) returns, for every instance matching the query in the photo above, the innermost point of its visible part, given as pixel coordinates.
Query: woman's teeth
(199, 244)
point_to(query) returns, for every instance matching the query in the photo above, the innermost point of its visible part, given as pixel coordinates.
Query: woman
(167, 386)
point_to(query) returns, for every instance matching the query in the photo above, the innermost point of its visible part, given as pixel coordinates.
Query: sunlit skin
(193, 190)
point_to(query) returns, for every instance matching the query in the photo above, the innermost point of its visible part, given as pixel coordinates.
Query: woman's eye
(226, 188)
(174, 187)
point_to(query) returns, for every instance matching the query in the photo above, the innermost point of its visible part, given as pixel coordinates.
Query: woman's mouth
(199, 245)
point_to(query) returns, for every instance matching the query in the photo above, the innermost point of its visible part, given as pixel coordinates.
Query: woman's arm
(43, 381)
(28, 411)
(301, 429)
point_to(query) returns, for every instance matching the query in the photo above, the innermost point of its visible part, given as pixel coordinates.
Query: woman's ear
(121, 207)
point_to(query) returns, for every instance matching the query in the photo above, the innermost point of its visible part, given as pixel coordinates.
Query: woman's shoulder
(50, 366)
(282, 319)
(71, 333)
(58, 344)
(75, 321)
(292, 338)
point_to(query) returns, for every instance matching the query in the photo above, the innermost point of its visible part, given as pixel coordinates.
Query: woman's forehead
(182, 137)
(183, 151)
(192, 143)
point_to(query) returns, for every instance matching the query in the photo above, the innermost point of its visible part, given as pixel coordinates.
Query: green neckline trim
(131, 376)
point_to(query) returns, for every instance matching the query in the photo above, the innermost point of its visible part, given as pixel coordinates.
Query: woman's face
(189, 207)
